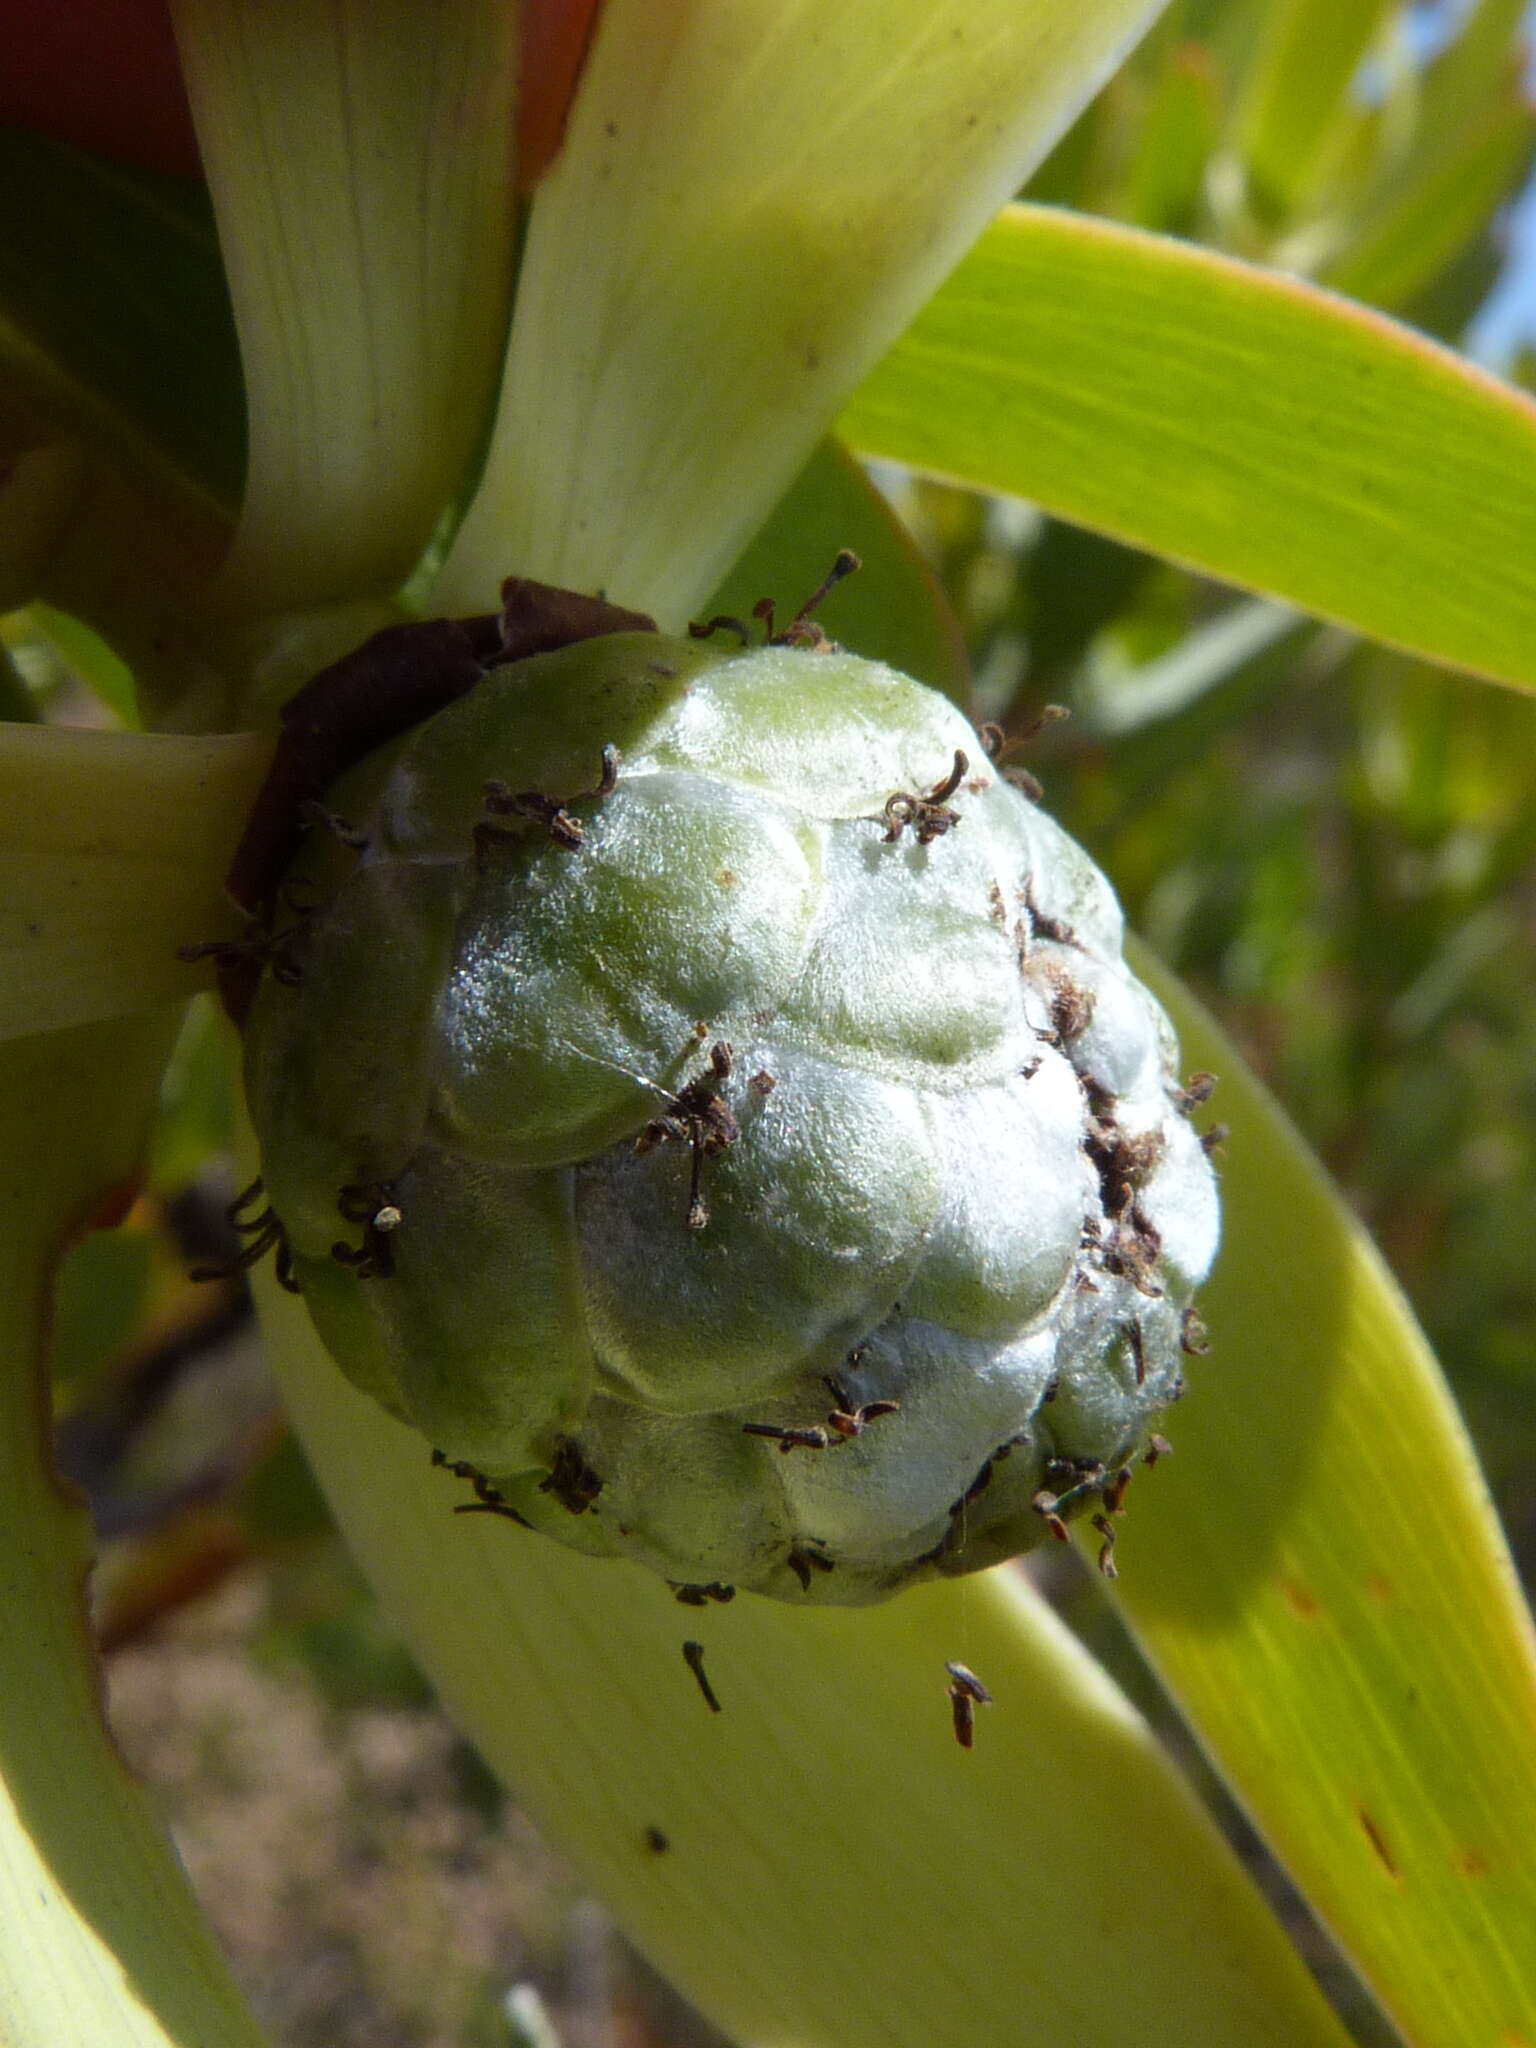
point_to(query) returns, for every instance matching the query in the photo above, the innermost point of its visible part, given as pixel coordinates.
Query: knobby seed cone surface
(748, 1174)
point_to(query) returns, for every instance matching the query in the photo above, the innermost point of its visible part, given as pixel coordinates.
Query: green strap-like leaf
(16, 700)
(114, 317)
(360, 157)
(1319, 1577)
(1480, 68)
(1246, 423)
(101, 1945)
(113, 848)
(37, 485)
(1431, 210)
(118, 393)
(752, 202)
(819, 1862)
(1297, 88)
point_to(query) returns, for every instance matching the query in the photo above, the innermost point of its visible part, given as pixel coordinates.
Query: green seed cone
(744, 1148)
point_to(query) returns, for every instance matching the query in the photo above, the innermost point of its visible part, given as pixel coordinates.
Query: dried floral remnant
(700, 1117)
(813, 1439)
(263, 1233)
(693, 1657)
(373, 1205)
(805, 1559)
(929, 812)
(701, 1595)
(488, 1499)
(555, 814)
(1199, 1088)
(966, 1693)
(803, 631)
(571, 1480)
(999, 744)
(850, 1419)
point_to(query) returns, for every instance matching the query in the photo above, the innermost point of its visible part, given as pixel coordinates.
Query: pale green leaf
(1303, 63)
(1480, 67)
(1433, 208)
(360, 158)
(71, 649)
(836, 1871)
(1242, 422)
(752, 202)
(1163, 179)
(1114, 700)
(1440, 146)
(114, 318)
(113, 848)
(16, 699)
(100, 1941)
(37, 485)
(1319, 1578)
(116, 390)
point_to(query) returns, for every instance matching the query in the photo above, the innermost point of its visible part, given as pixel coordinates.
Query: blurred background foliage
(1333, 843)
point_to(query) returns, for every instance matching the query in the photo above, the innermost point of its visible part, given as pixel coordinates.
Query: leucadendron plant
(694, 1093)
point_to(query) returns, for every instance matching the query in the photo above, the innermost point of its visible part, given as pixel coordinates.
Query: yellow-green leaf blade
(100, 1941)
(37, 482)
(1434, 209)
(360, 158)
(1295, 92)
(752, 202)
(113, 848)
(837, 1872)
(114, 319)
(1240, 421)
(1480, 68)
(1321, 1582)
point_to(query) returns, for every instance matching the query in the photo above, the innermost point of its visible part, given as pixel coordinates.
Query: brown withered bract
(1138, 1347)
(397, 679)
(998, 745)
